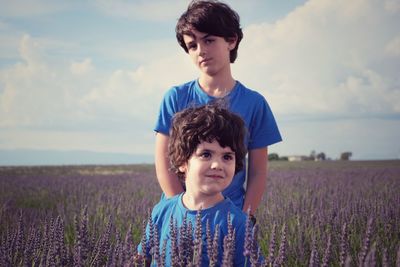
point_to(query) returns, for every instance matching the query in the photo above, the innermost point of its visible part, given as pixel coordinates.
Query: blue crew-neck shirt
(250, 105)
(173, 208)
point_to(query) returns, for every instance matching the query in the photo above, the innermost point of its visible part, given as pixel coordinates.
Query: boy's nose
(216, 165)
(201, 50)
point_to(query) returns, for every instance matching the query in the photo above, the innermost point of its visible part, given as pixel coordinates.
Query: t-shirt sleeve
(264, 130)
(168, 108)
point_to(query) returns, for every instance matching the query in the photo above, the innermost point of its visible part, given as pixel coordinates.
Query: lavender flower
(84, 234)
(314, 257)
(184, 243)
(46, 244)
(227, 259)
(347, 262)
(127, 249)
(229, 244)
(163, 253)
(209, 238)
(385, 262)
(189, 241)
(272, 244)
(174, 242)
(19, 244)
(150, 240)
(370, 259)
(144, 243)
(198, 242)
(343, 253)
(254, 255)
(320, 200)
(366, 243)
(247, 236)
(282, 248)
(156, 247)
(28, 252)
(77, 257)
(116, 258)
(213, 252)
(327, 254)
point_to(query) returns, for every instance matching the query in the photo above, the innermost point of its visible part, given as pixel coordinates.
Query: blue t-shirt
(174, 208)
(250, 105)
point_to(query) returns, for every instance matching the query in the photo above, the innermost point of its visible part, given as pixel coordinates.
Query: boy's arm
(256, 179)
(168, 181)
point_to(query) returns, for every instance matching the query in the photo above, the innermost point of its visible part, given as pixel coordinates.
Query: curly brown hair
(205, 123)
(212, 17)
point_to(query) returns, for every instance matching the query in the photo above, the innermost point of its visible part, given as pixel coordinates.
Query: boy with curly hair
(206, 150)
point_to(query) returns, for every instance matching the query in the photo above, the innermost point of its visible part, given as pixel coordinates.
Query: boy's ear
(232, 42)
(182, 168)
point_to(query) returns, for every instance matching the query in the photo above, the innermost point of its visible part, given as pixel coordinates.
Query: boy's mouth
(215, 176)
(204, 61)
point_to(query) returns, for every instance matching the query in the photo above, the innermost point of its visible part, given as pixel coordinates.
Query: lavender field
(313, 214)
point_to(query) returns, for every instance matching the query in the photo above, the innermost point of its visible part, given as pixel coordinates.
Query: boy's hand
(253, 219)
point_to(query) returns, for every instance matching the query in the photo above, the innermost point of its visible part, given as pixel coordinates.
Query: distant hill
(20, 157)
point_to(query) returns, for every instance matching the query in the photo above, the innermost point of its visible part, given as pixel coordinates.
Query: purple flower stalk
(366, 243)
(282, 248)
(272, 244)
(174, 242)
(314, 257)
(198, 242)
(213, 256)
(327, 254)
(247, 236)
(343, 245)
(156, 247)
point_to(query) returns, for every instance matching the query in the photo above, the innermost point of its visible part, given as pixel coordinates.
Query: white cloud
(81, 68)
(143, 10)
(326, 59)
(393, 6)
(138, 92)
(24, 83)
(323, 58)
(43, 92)
(393, 47)
(28, 8)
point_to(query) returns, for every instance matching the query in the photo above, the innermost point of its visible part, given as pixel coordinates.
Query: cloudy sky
(89, 75)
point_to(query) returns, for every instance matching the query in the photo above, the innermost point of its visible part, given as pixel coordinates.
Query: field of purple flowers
(313, 214)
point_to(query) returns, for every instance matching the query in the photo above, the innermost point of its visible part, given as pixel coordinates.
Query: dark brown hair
(206, 123)
(211, 17)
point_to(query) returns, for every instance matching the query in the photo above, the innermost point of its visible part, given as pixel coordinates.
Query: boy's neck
(215, 87)
(200, 202)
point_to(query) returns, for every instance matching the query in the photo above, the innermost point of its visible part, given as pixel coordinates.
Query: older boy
(209, 31)
(206, 149)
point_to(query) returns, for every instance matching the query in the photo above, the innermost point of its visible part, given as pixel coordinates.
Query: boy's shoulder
(180, 91)
(248, 91)
(165, 207)
(237, 216)
(184, 86)
(237, 212)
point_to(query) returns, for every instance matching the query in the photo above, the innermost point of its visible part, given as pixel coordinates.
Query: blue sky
(89, 75)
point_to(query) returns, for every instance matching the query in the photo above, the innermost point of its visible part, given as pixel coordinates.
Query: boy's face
(209, 53)
(209, 170)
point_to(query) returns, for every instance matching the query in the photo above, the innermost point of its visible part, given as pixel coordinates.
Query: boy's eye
(191, 46)
(208, 41)
(228, 157)
(205, 155)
